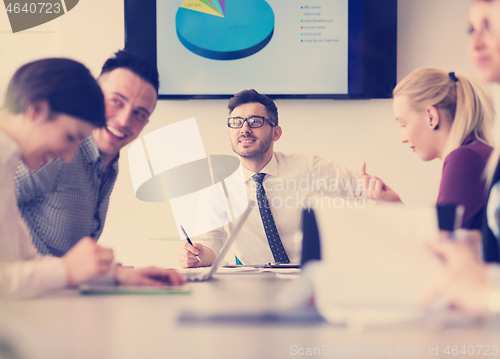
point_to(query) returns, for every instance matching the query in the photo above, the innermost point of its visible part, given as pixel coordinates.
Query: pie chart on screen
(224, 29)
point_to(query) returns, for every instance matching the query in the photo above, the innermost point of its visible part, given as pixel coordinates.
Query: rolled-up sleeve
(335, 179)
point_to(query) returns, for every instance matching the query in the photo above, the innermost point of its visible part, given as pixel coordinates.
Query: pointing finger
(363, 168)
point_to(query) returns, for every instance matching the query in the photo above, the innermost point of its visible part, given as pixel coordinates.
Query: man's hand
(375, 189)
(187, 255)
(87, 260)
(151, 276)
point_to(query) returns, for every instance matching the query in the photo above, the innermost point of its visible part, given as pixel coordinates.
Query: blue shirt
(63, 202)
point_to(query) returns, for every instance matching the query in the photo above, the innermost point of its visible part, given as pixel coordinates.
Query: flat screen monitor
(209, 49)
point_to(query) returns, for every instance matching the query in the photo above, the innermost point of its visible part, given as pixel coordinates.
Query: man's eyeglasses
(253, 122)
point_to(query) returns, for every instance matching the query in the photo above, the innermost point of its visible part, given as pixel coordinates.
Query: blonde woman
(446, 116)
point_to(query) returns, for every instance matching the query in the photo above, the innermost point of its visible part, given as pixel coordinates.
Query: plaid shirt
(63, 202)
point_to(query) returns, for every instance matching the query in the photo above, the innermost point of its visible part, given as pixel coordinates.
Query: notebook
(142, 290)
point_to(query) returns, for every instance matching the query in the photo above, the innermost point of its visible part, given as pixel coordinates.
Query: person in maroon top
(469, 284)
(446, 116)
(463, 181)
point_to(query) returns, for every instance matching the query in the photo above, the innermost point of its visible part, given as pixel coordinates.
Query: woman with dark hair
(49, 98)
(52, 105)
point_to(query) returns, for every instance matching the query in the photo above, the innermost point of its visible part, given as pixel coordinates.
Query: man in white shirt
(290, 183)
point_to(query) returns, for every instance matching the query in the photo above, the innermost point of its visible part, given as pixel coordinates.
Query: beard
(257, 153)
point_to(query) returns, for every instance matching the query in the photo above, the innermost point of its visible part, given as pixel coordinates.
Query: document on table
(236, 269)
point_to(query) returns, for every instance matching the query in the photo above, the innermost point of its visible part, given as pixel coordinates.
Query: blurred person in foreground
(51, 106)
(472, 285)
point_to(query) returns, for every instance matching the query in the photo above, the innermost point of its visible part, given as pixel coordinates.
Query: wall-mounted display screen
(284, 49)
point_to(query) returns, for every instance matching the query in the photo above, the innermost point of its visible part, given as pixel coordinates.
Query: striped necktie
(272, 234)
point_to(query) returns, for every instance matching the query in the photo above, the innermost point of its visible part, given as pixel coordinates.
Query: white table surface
(67, 325)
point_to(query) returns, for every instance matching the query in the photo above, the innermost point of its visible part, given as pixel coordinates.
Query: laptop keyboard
(196, 275)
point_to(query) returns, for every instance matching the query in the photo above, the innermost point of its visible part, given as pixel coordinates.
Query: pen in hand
(189, 241)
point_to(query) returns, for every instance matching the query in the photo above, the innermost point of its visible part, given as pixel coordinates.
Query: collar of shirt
(270, 169)
(493, 210)
(9, 149)
(469, 139)
(91, 154)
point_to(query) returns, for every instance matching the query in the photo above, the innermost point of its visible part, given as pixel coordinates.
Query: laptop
(205, 274)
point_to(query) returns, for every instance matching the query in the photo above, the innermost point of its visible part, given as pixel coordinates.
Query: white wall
(430, 33)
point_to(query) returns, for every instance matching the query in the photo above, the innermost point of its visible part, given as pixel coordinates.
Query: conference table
(71, 326)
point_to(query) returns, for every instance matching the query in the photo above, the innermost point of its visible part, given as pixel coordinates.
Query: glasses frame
(246, 119)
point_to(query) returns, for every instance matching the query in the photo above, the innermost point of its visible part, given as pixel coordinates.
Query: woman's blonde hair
(465, 97)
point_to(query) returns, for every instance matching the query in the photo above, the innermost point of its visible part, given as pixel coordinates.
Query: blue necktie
(272, 234)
